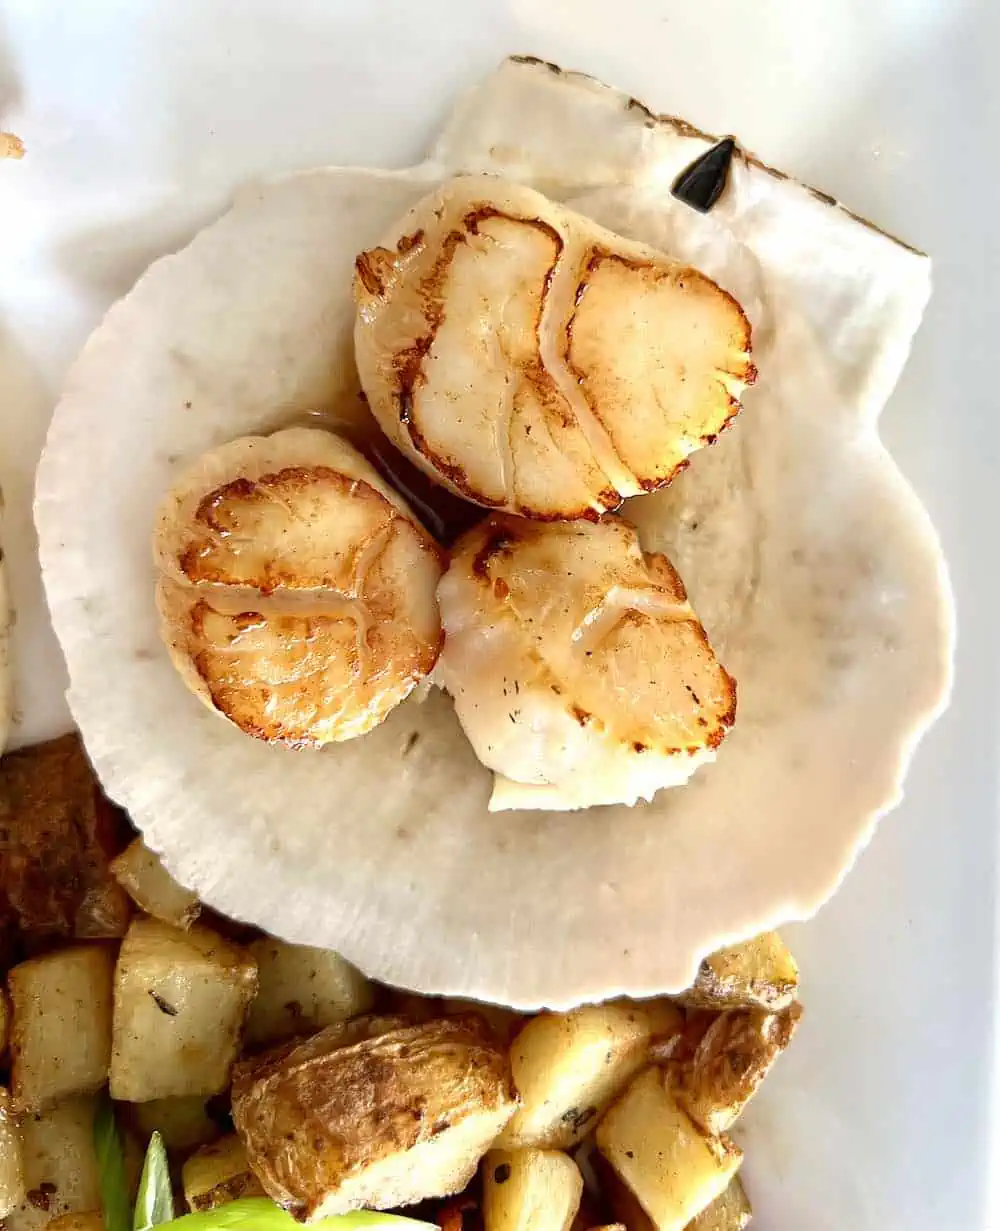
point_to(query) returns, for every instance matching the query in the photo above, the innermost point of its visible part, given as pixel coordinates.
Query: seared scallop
(532, 361)
(296, 589)
(579, 671)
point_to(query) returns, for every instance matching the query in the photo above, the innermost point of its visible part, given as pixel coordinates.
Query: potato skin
(61, 835)
(316, 1117)
(757, 973)
(730, 1063)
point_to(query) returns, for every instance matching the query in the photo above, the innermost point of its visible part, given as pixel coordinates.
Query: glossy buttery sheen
(296, 591)
(536, 362)
(579, 671)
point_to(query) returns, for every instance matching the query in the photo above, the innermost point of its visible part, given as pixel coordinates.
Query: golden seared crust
(319, 1117)
(296, 595)
(609, 621)
(701, 350)
(535, 362)
(229, 538)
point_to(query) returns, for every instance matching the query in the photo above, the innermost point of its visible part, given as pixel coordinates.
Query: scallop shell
(810, 561)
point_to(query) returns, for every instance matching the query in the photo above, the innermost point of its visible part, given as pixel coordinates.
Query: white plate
(139, 121)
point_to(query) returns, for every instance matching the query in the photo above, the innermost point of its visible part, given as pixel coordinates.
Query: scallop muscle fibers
(579, 671)
(532, 361)
(295, 588)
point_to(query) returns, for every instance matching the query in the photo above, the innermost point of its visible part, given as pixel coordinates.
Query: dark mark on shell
(702, 183)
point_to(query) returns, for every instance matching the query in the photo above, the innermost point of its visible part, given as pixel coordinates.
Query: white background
(141, 117)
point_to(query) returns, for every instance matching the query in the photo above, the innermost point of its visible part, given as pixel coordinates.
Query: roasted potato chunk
(61, 1025)
(728, 1212)
(4, 1021)
(759, 973)
(730, 1062)
(345, 1121)
(151, 887)
(623, 1202)
(60, 1167)
(217, 1174)
(530, 1190)
(90, 1220)
(181, 1000)
(183, 1123)
(301, 990)
(11, 1157)
(61, 834)
(660, 1154)
(568, 1067)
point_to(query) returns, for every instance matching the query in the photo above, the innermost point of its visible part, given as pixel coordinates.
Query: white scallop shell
(808, 558)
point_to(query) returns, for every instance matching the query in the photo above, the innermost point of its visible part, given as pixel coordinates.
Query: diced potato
(11, 1157)
(89, 1220)
(61, 1025)
(217, 1174)
(759, 973)
(60, 1167)
(568, 1067)
(301, 990)
(148, 883)
(530, 1190)
(181, 1000)
(661, 1155)
(60, 836)
(353, 1118)
(729, 1064)
(183, 1123)
(729, 1212)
